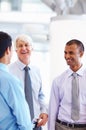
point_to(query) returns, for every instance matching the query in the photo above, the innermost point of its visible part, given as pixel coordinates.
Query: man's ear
(81, 53)
(7, 50)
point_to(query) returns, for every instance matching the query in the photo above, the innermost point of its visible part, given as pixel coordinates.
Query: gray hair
(24, 38)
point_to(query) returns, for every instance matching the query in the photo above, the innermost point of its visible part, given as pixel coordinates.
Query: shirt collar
(4, 67)
(22, 65)
(80, 72)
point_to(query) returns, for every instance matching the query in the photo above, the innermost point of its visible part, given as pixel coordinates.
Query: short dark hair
(5, 42)
(77, 42)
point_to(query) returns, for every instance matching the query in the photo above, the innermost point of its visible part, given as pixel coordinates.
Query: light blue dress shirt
(60, 98)
(14, 112)
(39, 102)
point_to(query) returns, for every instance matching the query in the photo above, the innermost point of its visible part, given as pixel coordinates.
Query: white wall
(63, 29)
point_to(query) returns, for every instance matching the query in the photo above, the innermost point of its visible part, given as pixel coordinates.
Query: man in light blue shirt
(23, 47)
(14, 112)
(60, 106)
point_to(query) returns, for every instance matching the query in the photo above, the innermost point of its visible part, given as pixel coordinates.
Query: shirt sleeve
(53, 106)
(41, 97)
(42, 101)
(15, 98)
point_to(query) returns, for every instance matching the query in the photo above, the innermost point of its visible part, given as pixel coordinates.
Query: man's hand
(43, 118)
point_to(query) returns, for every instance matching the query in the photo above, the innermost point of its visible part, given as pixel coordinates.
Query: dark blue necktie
(28, 91)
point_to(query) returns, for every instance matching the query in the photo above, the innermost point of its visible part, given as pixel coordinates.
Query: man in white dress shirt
(61, 93)
(23, 45)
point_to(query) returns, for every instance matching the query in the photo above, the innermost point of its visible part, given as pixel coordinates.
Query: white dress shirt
(17, 68)
(60, 99)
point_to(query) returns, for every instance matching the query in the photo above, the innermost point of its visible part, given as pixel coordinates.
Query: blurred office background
(50, 23)
(31, 17)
